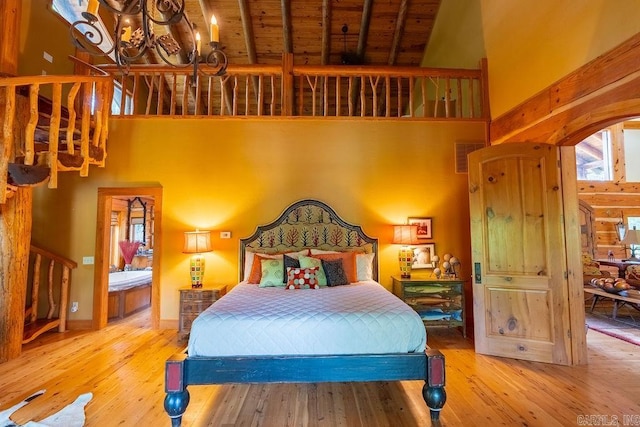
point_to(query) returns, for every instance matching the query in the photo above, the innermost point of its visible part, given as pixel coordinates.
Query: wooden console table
(621, 265)
(618, 300)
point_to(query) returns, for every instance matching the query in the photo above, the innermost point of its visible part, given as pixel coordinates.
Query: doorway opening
(607, 163)
(128, 244)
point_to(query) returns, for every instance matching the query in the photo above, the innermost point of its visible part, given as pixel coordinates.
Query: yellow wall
(42, 30)
(456, 40)
(531, 43)
(231, 175)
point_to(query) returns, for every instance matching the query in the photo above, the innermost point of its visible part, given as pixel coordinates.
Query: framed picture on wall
(422, 256)
(425, 230)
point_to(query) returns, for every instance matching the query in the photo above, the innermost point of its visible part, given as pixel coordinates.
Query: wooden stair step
(34, 329)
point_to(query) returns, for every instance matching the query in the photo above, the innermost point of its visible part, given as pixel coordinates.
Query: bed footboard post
(177, 398)
(433, 391)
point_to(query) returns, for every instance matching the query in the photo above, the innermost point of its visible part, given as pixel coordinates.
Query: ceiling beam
(249, 41)
(397, 34)
(364, 28)
(287, 41)
(247, 29)
(362, 44)
(326, 32)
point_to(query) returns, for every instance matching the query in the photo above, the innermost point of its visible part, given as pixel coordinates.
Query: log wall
(611, 203)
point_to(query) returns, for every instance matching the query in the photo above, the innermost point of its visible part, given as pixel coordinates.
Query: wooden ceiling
(390, 32)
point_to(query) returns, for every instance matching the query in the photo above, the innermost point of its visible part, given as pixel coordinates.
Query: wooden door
(520, 287)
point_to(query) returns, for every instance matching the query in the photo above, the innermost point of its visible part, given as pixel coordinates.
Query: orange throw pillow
(348, 262)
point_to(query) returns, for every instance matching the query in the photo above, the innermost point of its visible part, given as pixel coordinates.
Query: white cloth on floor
(71, 415)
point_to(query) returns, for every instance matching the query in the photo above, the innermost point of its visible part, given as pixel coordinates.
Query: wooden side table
(194, 301)
(439, 302)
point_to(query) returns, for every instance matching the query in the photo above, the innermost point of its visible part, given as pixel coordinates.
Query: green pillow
(309, 262)
(271, 273)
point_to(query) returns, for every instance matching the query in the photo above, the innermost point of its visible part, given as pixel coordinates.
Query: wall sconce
(632, 238)
(196, 243)
(405, 235)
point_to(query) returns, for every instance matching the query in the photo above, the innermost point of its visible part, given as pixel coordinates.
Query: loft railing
(66, 132)
(58, 280)
(305, 91)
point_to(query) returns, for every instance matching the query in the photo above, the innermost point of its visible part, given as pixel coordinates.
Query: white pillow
(364, 266)
(249, 255)
(321, 251)
(248, 261)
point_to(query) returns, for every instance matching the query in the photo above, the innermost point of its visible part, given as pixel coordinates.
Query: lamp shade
(405, 234)
(632, 237)
(197, 242)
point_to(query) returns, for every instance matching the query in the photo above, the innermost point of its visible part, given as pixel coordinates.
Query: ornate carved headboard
(309, 224)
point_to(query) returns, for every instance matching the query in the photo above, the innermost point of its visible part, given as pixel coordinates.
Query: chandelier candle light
(130, 46)
(196, 243)
(405, 235)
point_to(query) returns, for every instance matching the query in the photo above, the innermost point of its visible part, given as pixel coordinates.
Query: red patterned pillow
(302, 278)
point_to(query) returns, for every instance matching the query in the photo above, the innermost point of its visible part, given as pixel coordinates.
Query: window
(71, 11)
(137, 230)
(117, 100)
(634, 222)
(593, 157)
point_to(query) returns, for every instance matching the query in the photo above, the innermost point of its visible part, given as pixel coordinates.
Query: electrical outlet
(87, 260)
(74, 306)
(225, 234)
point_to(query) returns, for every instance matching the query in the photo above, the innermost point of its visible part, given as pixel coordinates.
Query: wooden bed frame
(305, 224)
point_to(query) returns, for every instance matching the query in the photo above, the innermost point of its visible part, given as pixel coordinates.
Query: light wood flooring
(122, 366)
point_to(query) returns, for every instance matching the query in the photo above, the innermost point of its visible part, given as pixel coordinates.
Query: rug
(624, 328)
(71, 415)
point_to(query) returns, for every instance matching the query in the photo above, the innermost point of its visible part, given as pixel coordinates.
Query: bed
(129, 292)
(339, 326)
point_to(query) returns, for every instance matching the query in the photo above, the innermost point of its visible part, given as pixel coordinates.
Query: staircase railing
(69, 133)
(58, 280)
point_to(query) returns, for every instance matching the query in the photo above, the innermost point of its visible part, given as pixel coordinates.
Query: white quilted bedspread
(361, 318)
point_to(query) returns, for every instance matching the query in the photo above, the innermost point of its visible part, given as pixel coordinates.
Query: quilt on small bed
(360, 318)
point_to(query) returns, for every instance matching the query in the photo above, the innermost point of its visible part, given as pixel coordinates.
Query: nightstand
(194, 301)
(439, 302)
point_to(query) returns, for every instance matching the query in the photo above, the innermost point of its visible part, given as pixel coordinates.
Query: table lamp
(196, 243)
(405, 235)
(632, 238)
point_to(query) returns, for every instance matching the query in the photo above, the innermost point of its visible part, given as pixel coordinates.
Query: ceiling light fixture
(156, 23)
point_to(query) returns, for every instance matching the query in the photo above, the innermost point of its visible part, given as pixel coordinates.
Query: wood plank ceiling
(390, 32)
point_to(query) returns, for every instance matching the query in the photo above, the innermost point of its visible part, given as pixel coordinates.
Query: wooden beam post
(15, 236)
(15, 213)
(10, 11)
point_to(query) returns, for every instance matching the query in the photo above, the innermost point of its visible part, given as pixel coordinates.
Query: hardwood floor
(123, 365)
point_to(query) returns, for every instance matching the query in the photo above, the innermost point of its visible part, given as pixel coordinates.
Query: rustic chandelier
(157, 21)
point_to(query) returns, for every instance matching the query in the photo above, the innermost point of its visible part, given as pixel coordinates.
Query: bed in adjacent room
(129, 292)
(308, 308)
